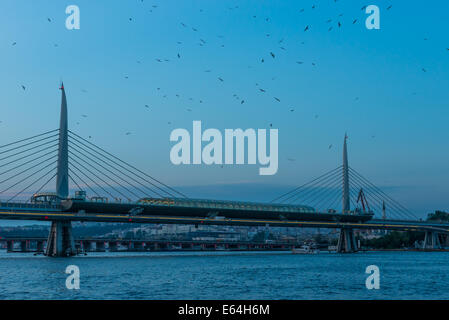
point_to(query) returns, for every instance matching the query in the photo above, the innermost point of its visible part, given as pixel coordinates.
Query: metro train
(201, 208)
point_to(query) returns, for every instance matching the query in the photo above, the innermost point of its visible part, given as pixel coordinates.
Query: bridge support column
(9, 245)
(112, 246)
(40, 246)
(23, 246)
(60, 241)
(346, 241)
(431, 240)
(99, 246)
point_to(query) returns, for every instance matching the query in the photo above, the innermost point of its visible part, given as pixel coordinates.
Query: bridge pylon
(346, 241)
(431, 240)
(60, 241)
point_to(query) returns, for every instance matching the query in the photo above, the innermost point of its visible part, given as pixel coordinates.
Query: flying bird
(272, 54)
(307, 28)
(277, 99)
(23, 87)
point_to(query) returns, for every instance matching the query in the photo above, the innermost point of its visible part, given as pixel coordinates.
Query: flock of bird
(334, 23)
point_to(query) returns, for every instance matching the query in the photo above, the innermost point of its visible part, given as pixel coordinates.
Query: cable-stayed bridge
(106, 188)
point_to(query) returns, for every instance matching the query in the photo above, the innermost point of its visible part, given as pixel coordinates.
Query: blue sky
(363, 82)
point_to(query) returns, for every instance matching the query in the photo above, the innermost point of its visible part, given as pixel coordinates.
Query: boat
(305, 249)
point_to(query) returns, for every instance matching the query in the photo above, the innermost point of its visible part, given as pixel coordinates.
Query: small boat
(305, 249)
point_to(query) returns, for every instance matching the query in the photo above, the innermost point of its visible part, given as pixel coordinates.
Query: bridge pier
(431, 240)
(346, 241)
(24, 245)
(60, 241)
(9, 245)
(99, 246)
(113, 246)
(40, 246)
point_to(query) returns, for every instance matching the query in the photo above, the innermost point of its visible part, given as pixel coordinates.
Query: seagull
(272, 54)
(49, 20)
(307, 28)
(389, 7)
(147, 106)
(14, 43)
(262, 90)
(128, 133)
(299, 62)
(262, 60)
(424, 70)
(84, 116)
(277, 99)
(220, 79)
(179, 56)
(243, 101)
(353, 22)
(23, 87)
(330, 146)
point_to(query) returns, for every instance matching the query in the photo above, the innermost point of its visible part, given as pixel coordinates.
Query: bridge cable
(79, 158)
(12, 155)
(324, 193)
(29, 161)
(88, 186)
(23, 171)
(75, 147)
(118, 191)
(147, 175)
(95, 183)
(28, 176)
(393, 201)
(29, 186)
(12, 143)
(311, 188)
(28, 144)
(118, 164)
(382, 197)
(285, 194)
(374, 196)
